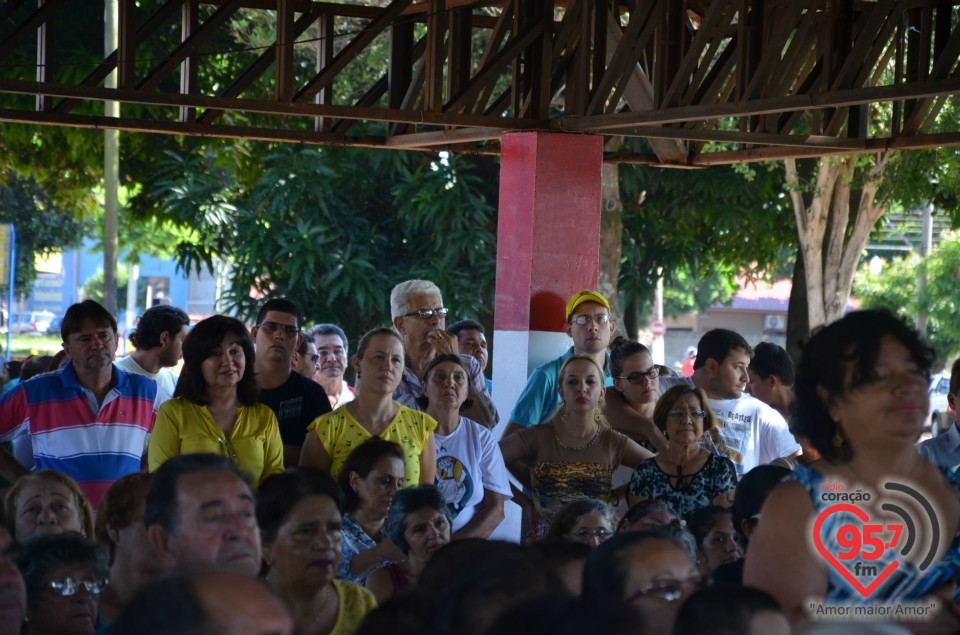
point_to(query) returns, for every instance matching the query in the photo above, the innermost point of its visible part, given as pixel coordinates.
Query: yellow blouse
(340, 434)
(355, 603)
(183, 427)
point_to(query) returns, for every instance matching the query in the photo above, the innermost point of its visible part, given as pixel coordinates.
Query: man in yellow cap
(591, 327)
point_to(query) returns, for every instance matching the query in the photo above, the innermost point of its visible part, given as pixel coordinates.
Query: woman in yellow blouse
(214, 407)
(333, 436)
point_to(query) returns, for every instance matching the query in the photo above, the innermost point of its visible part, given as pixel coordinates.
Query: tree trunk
(830, 258)
(798, 318)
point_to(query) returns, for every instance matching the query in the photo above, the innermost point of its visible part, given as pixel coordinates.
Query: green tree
(335, 228)
(894, 285)
(700, 230)
(41, 225)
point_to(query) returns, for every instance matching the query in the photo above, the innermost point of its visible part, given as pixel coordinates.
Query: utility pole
(111, 167)
(926, 244)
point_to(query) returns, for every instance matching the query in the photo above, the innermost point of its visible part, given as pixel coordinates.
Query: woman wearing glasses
(572, 455)
(587, 521)
(374, 413)
(64, 575)
(636, 385)
(649, 569)
(685, 475)
(214, 407)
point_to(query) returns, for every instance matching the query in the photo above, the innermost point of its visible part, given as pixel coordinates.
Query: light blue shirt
(943, 450)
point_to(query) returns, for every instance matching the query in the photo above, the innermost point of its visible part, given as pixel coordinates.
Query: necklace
(563, 445)
(323, 606)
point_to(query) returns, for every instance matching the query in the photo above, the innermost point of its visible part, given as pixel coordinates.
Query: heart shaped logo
(857, 544)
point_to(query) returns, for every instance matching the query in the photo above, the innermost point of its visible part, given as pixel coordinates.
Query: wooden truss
(705, 82)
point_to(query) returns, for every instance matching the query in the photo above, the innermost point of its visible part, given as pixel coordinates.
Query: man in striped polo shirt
(89, 420)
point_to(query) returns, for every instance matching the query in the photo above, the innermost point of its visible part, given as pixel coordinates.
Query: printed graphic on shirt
(454, 482)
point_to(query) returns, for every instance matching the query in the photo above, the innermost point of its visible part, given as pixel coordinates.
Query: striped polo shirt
(69, 433)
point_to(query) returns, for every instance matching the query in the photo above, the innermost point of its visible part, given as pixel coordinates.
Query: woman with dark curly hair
(214, 408)
(419, 523)
(862, 401)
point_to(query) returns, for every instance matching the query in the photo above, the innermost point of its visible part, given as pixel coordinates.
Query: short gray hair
(400, 296)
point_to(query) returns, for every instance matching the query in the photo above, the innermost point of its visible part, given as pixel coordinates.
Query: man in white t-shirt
(751, 433)
(158, 339)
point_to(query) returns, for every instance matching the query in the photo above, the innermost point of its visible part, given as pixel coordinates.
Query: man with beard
(296, 400)
(158, 339)
(89, 420)
(332, 348)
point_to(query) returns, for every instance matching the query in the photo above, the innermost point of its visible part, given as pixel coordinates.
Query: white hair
(400, 296)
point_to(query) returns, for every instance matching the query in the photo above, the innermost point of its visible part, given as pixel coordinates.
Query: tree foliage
(894, 285)
(336, 228)
(700, 229)
(41, 226)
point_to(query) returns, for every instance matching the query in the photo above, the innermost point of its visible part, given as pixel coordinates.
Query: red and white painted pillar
(548, 242)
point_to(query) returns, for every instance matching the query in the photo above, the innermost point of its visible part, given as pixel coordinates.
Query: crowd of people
(256, 491)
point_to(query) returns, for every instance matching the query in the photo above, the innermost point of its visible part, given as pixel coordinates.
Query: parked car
(31, 323)
(54, 327)
(942, 415)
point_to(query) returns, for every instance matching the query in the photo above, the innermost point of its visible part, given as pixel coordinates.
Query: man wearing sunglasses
(416, 307)
(590, 326)
(296, 400)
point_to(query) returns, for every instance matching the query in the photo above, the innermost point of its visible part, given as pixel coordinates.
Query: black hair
(281, 305)
(716, 344)
(752, 490)
(362, 460)
(200, 344)
(156, 321)
(621, 349)
(80, 312)
(701, 521)
(849, 346)
(641, 510)
(608, 567)
(169, 605)
(41, 555)
(469, 583)
(563, 615)
(406, 502)
(279, 494)
(723, 610)
(771, 359)
(161, 506)
(465, 325)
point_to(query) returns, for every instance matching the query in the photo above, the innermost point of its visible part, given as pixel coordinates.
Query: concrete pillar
(548, 241)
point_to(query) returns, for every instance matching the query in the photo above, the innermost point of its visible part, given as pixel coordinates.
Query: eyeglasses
(426, 314)
(68, 586)
(638, 378)
(583, 320)
(272, 327)
(685, 414)
(315, 359)
(668, 590)
(586, 534)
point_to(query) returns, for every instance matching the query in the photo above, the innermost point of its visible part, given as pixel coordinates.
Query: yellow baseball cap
(585, 295)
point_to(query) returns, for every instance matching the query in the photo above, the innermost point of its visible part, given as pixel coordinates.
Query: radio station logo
(866, 538)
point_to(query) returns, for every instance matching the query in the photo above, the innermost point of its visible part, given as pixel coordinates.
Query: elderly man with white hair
(416, 307)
